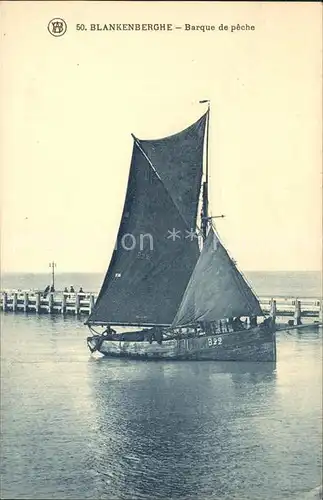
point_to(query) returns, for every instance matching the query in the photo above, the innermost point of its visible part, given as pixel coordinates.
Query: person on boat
(158, 335)
(267, 322)
(45, 293)
(65, 290)
(149, 336)
(237, 323)
(253, 321)
(52, 289)
(108, 332)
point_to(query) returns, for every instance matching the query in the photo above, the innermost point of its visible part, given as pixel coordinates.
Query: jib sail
(216, 289)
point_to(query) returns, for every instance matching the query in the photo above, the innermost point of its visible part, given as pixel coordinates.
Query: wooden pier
(54, 303)
(29, 301)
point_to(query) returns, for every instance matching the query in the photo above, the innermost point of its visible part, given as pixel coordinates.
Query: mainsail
(216, 289)
(155, 252)
(178, 160)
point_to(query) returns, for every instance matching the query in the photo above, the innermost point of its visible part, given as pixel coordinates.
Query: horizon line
(104, 271)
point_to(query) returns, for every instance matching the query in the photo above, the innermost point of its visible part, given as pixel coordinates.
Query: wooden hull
(256, 344)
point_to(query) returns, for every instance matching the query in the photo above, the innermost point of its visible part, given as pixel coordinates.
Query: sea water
(293, 284)
(78, 426)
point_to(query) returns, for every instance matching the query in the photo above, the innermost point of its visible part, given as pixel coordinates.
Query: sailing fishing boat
(171, 287)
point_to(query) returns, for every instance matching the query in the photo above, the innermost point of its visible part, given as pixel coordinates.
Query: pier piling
(25, 301)
(92, 302)
(77, 304)
(297, 313)
(14, 301)
(5, 301)
(321, 311)
(63, 307)
(50, 302)
(37, 303)
(273, 309)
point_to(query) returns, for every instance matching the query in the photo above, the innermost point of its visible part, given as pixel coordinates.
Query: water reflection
(168, 428)
(76, 427)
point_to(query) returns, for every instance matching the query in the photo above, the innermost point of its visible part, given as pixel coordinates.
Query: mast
(205, 191)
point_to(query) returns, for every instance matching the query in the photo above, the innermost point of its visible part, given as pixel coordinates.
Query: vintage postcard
(161, 250)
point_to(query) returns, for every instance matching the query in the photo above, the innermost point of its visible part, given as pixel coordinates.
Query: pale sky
(69, 105)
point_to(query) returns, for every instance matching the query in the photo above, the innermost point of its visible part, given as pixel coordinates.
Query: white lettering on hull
(213, 341)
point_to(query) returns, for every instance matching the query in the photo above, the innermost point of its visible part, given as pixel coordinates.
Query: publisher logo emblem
(57, 26)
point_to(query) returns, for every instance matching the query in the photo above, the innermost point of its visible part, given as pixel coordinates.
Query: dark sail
(216, 289)
(149, 269)
(178, 160)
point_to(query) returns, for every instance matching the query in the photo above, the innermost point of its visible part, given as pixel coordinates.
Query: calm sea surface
(301, 284)
(74, 426)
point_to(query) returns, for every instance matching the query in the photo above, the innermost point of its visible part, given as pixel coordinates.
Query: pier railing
(30, 301)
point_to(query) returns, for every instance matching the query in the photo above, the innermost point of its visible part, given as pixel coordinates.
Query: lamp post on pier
(53, 265)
